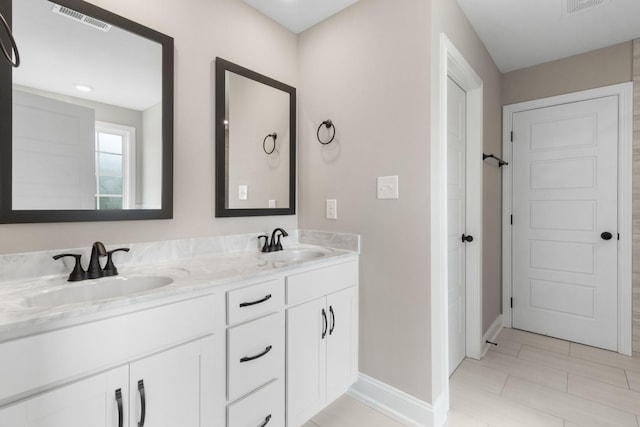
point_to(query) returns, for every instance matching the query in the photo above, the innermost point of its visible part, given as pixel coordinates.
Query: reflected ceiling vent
(574, 6)
(81, 17)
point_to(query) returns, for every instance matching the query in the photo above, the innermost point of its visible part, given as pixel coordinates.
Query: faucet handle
(109, 268)
(265, 247)
(78, 272)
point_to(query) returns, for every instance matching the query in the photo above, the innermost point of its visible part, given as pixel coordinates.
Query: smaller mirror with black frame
(255, 143)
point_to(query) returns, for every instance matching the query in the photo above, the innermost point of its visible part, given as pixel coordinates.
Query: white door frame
(624, 91)
(454, 65)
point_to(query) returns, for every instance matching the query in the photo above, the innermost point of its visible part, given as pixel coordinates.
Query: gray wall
(202, 30)
(602, 67)
(367, 69)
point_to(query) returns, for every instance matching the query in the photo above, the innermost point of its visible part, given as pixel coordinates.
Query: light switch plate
(243, 192)
(388, 187)
(272, 204)
(332, 209)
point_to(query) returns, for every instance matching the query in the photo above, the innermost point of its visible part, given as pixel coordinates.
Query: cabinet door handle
(119, 402)
(266, 421)
(257, 356)
(143, 403)
(247, 304)
(324, 323)
(333, 320)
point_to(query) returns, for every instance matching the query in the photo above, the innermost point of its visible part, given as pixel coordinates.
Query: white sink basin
(295, 254)
(94, 290)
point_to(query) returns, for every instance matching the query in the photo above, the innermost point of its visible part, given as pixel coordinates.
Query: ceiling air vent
(574, 6)
(81, 17)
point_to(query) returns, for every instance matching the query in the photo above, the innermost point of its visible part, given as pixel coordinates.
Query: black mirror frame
(10, 216)
(221, 190)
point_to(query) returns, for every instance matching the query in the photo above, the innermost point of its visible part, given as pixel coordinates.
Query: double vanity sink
(59, 292)
(240, 334)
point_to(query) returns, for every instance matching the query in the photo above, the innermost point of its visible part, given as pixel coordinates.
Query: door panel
(87, 402)
(341, 363)
(171, 396)
(564, 196)
(456, 220)
(306, 361)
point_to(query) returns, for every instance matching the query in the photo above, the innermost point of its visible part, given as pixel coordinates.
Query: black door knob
(467, 238)
(606, 235)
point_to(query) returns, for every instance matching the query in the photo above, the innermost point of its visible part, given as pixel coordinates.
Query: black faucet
(273, 245)
(94, 271)
(277, 246)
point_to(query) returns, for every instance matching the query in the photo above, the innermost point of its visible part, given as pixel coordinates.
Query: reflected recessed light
(84, 88)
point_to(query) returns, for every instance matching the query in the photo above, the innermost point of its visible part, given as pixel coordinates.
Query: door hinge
(511, 219)
(511, 136)
(618, 236)
(511, 302)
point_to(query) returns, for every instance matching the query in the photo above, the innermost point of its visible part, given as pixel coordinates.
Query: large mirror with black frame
(255, 143)
(86, 120)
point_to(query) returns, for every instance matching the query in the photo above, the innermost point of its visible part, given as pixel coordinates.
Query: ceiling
(298, 15)
(522, 33)
(59, 53)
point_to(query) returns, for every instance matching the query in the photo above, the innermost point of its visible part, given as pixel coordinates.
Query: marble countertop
(189, 275)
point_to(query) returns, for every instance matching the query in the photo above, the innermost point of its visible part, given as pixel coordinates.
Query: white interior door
(565, 194)
(456, 219)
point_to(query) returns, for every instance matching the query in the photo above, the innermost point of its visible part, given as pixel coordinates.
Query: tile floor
(527, 380)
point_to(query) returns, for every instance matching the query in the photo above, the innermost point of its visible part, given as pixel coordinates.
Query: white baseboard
(492, 334)
(397, 404)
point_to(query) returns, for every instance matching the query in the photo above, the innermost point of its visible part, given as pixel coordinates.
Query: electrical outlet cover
(388, 187)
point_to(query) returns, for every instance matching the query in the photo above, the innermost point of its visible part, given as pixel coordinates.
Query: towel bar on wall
(491, 156)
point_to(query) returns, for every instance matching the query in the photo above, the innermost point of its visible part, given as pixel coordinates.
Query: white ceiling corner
(523, 33)
(299, 15)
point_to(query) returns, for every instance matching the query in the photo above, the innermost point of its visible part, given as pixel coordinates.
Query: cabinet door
(88, 402)
(306, 361)
(167, 387)
(342, 342)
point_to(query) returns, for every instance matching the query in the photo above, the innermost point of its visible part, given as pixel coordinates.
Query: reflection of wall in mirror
(148, 150)
(150, 184)
(255, 111)
(53, 166)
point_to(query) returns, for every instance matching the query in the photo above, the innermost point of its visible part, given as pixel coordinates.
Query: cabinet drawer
(255, 354)
(254, 301)
(316, 283)
(266, 404)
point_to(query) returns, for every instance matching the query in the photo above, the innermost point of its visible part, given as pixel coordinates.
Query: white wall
(202, 29)
(367, 69)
